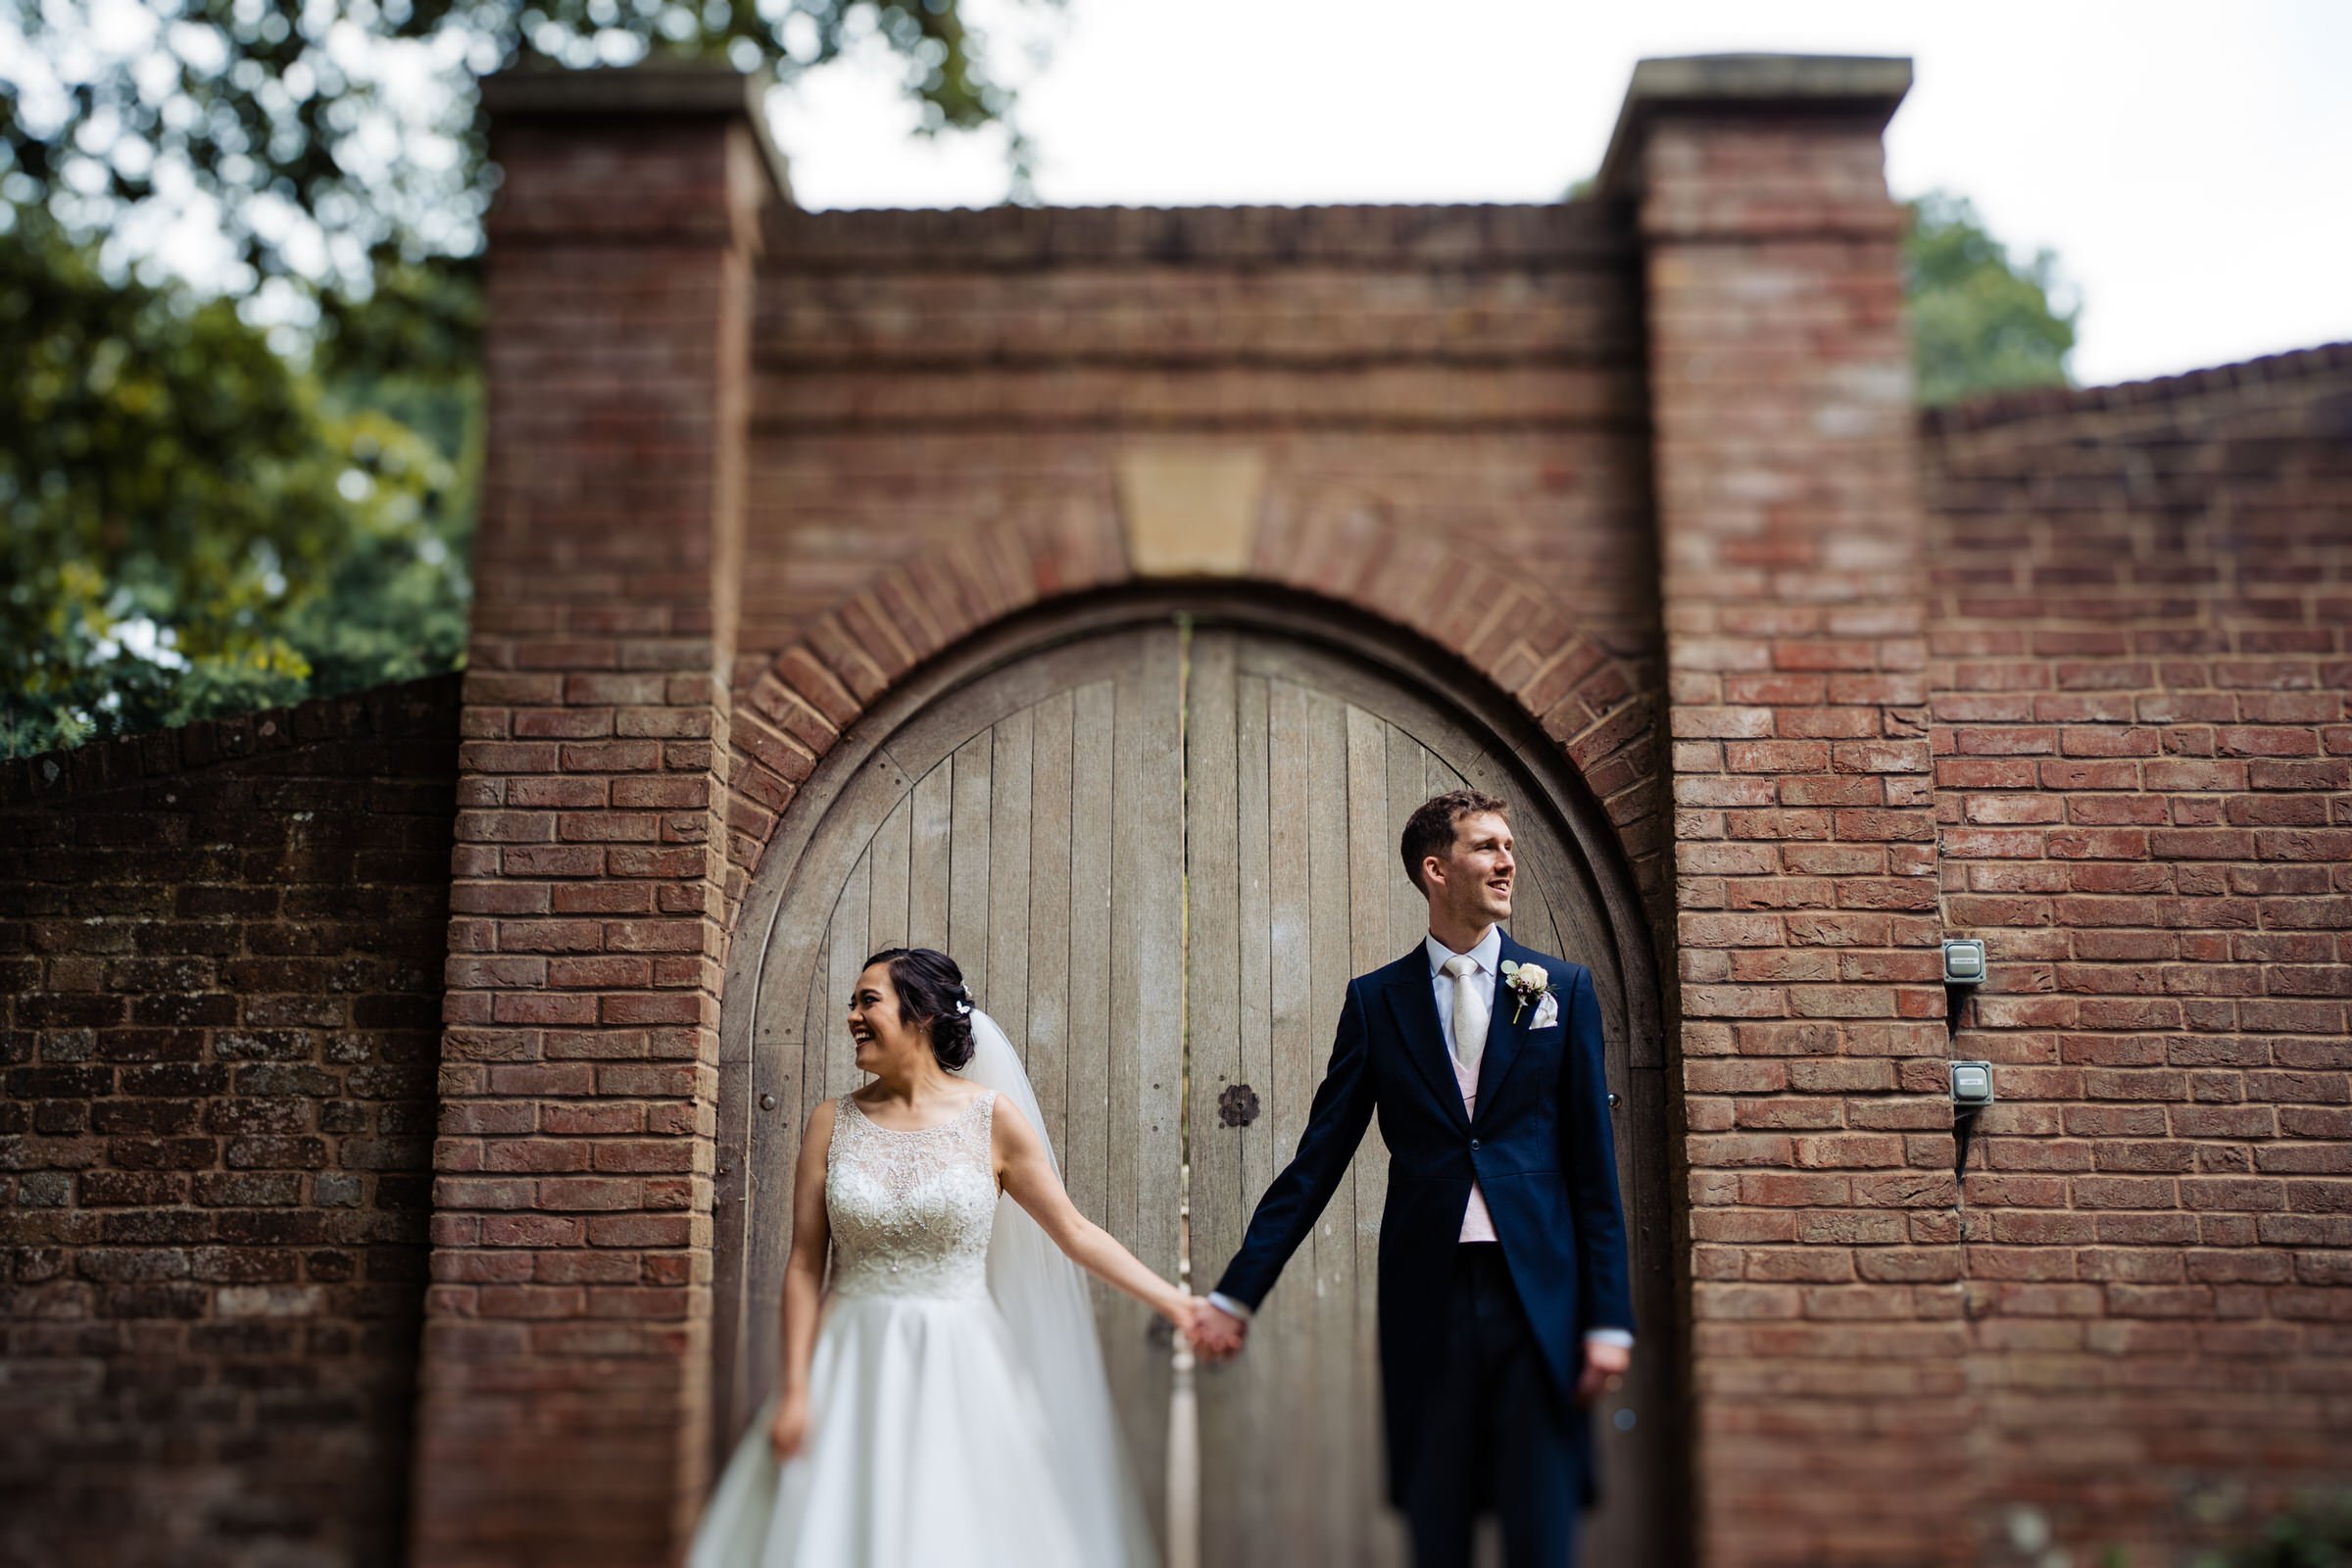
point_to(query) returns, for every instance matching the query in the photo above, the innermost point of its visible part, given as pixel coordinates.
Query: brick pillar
(1828, 1334)
(564, 1390)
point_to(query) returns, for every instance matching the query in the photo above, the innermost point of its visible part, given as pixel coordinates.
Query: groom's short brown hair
(1429, 829)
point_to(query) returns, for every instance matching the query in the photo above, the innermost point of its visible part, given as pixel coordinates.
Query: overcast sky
(2188, 163)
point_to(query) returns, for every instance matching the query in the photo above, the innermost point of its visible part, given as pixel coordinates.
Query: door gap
(1183, 925)
(1184, 1411)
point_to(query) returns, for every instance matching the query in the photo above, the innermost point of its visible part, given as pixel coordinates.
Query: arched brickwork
(1599, 703)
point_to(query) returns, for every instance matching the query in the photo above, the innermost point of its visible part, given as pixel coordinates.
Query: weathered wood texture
(1301, 768)
(1028, 825)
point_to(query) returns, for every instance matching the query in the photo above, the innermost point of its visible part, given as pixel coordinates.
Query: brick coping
(2008, 408)
(1486, 234)
(425, 704)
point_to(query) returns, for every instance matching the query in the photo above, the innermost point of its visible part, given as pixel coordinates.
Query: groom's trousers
(1496, 1435)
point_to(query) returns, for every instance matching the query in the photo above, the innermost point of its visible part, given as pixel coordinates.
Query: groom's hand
(1217, 1333)
(1606, 1366)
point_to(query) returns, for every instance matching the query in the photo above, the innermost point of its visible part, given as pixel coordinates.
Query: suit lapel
(1413, 1002)
(1506, 1027)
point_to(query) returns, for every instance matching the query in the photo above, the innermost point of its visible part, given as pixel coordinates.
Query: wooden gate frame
(1449, 683)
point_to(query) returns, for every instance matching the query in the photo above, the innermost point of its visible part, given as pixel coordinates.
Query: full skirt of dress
(927, 1444)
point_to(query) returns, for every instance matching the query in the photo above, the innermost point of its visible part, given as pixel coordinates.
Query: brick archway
(773, 1041)
(1599, 703)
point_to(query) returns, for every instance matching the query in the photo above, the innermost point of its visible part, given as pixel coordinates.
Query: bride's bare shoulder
(1008, 1129)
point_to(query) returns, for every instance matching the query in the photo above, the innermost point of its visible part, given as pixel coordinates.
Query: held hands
(1183, 1308)
(1606, 1366)
(1215, 1333)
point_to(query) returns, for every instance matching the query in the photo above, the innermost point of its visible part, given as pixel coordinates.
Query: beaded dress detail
(911, 1211)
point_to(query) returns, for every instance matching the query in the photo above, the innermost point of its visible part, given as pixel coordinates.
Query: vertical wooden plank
(894, 848)
(1261, 1157)
(1006, 995)
(1330, 937)
(1212, 948)
(1147, 1027)
(927, 870)
(1300, 1045)
(1213, 1031)
(1088, 1133)
(1409, 786)
(1243, 1428)
(1047, 1043)
(1531, 920)
(847, 953)
(754, 1189)
(969, 859)
(816, 1030)
(741, 1079)
(1371, 840)
(1373, 822)
(1091, 1045)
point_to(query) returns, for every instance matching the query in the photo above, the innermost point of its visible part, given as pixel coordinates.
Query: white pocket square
(1547, 1011)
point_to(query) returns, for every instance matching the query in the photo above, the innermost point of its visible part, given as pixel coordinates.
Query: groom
(1504, 1308)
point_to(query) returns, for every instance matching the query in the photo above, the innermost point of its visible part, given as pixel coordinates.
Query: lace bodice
(912, 1212)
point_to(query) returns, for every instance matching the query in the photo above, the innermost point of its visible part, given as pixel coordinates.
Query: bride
(952, 1410)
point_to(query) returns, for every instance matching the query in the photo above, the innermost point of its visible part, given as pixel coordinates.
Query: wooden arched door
(1301, 766)
(1159, 837)
(1028, 823)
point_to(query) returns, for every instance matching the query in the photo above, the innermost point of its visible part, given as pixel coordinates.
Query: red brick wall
(219, 951)
(562, 1404)
(1827, 1332)
(1448, 403)
(2141, 640)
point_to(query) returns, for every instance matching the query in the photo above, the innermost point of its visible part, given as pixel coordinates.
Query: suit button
(1473, 1143)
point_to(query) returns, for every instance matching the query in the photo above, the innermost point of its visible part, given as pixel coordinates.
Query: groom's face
(1472, 882)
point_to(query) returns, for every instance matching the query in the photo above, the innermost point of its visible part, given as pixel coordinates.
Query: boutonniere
(1530, 980)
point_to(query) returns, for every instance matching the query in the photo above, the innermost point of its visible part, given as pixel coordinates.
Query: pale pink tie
(1469, 1045)
(1469, 1014)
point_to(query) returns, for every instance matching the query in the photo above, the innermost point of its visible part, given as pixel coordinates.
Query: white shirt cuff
(1618, 1337)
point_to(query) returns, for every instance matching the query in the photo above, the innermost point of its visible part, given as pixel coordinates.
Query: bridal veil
(1045, 1300)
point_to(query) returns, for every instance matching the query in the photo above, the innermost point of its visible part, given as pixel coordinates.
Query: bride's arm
(804, 1282)
(1028, 1179)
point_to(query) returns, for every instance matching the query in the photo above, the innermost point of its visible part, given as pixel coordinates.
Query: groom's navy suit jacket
(1540, 1150)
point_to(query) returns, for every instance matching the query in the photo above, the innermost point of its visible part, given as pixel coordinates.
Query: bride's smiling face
(882, 1034)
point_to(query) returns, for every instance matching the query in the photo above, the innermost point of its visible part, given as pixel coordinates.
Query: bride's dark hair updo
(932, 998)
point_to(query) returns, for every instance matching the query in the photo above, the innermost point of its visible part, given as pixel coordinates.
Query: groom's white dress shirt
(1478, 1225)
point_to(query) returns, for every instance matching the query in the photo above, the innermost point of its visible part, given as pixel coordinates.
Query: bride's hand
(790, 1428)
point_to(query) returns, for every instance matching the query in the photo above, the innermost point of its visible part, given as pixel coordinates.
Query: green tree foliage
(212, 507)
(188, 522)
(325, 135)
(1979, 321)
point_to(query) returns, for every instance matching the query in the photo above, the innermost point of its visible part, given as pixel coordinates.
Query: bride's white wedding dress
(959, 1415)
